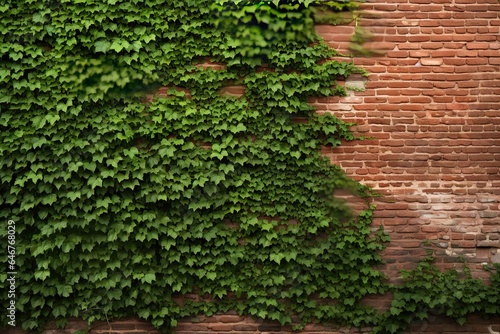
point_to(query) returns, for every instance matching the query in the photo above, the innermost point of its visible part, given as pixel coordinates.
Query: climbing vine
(128, 197)
(124, 203)
(427, 291)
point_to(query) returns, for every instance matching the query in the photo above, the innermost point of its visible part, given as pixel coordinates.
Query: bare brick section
(248, 325)
(431, 113)
(432, 109)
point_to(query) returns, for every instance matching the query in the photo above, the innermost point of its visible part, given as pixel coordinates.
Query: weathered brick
(219, 327)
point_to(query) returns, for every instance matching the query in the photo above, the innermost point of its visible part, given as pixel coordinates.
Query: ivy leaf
(103, 203)
(276, 257)
(148, 278)
(94, 182)
(149, 38)
(64, 290)
(102, 46)
(49, 199)
(119, 44)
(54, 118)
(59, 311)
(217, 178)
(167, 151)
(34, 176)
(238, 128)
(41, 274)
(39, 122)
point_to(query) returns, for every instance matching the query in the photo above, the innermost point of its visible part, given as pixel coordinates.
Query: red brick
(245, 327)
(409, 243)
(233, 91)
(221, 327)
(477, 46)
(432, 45)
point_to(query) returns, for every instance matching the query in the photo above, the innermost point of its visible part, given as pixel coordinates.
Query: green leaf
(118, 45)
(148, 278)
(64, 290)
(73, 195)
(94, 182)
(276, 257)
(167, 151)
(102, 46)
(49, 199)
(41, 275)
(59, 311)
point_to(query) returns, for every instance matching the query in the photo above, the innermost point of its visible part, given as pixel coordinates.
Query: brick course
(231, 324)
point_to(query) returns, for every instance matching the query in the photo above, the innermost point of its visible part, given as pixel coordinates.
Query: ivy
(135, 182)
(124, 203)
(427, 291)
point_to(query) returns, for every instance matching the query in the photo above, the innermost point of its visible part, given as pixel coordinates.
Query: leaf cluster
(427, 291)
(125, 204)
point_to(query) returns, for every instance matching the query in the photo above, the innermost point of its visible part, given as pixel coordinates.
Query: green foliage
(428, 291)
(125, 204)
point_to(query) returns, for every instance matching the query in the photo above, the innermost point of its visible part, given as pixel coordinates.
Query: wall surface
(431, 111)
(234, 324)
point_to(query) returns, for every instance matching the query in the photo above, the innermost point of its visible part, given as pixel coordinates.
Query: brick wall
(234, 324)
(431, 109)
